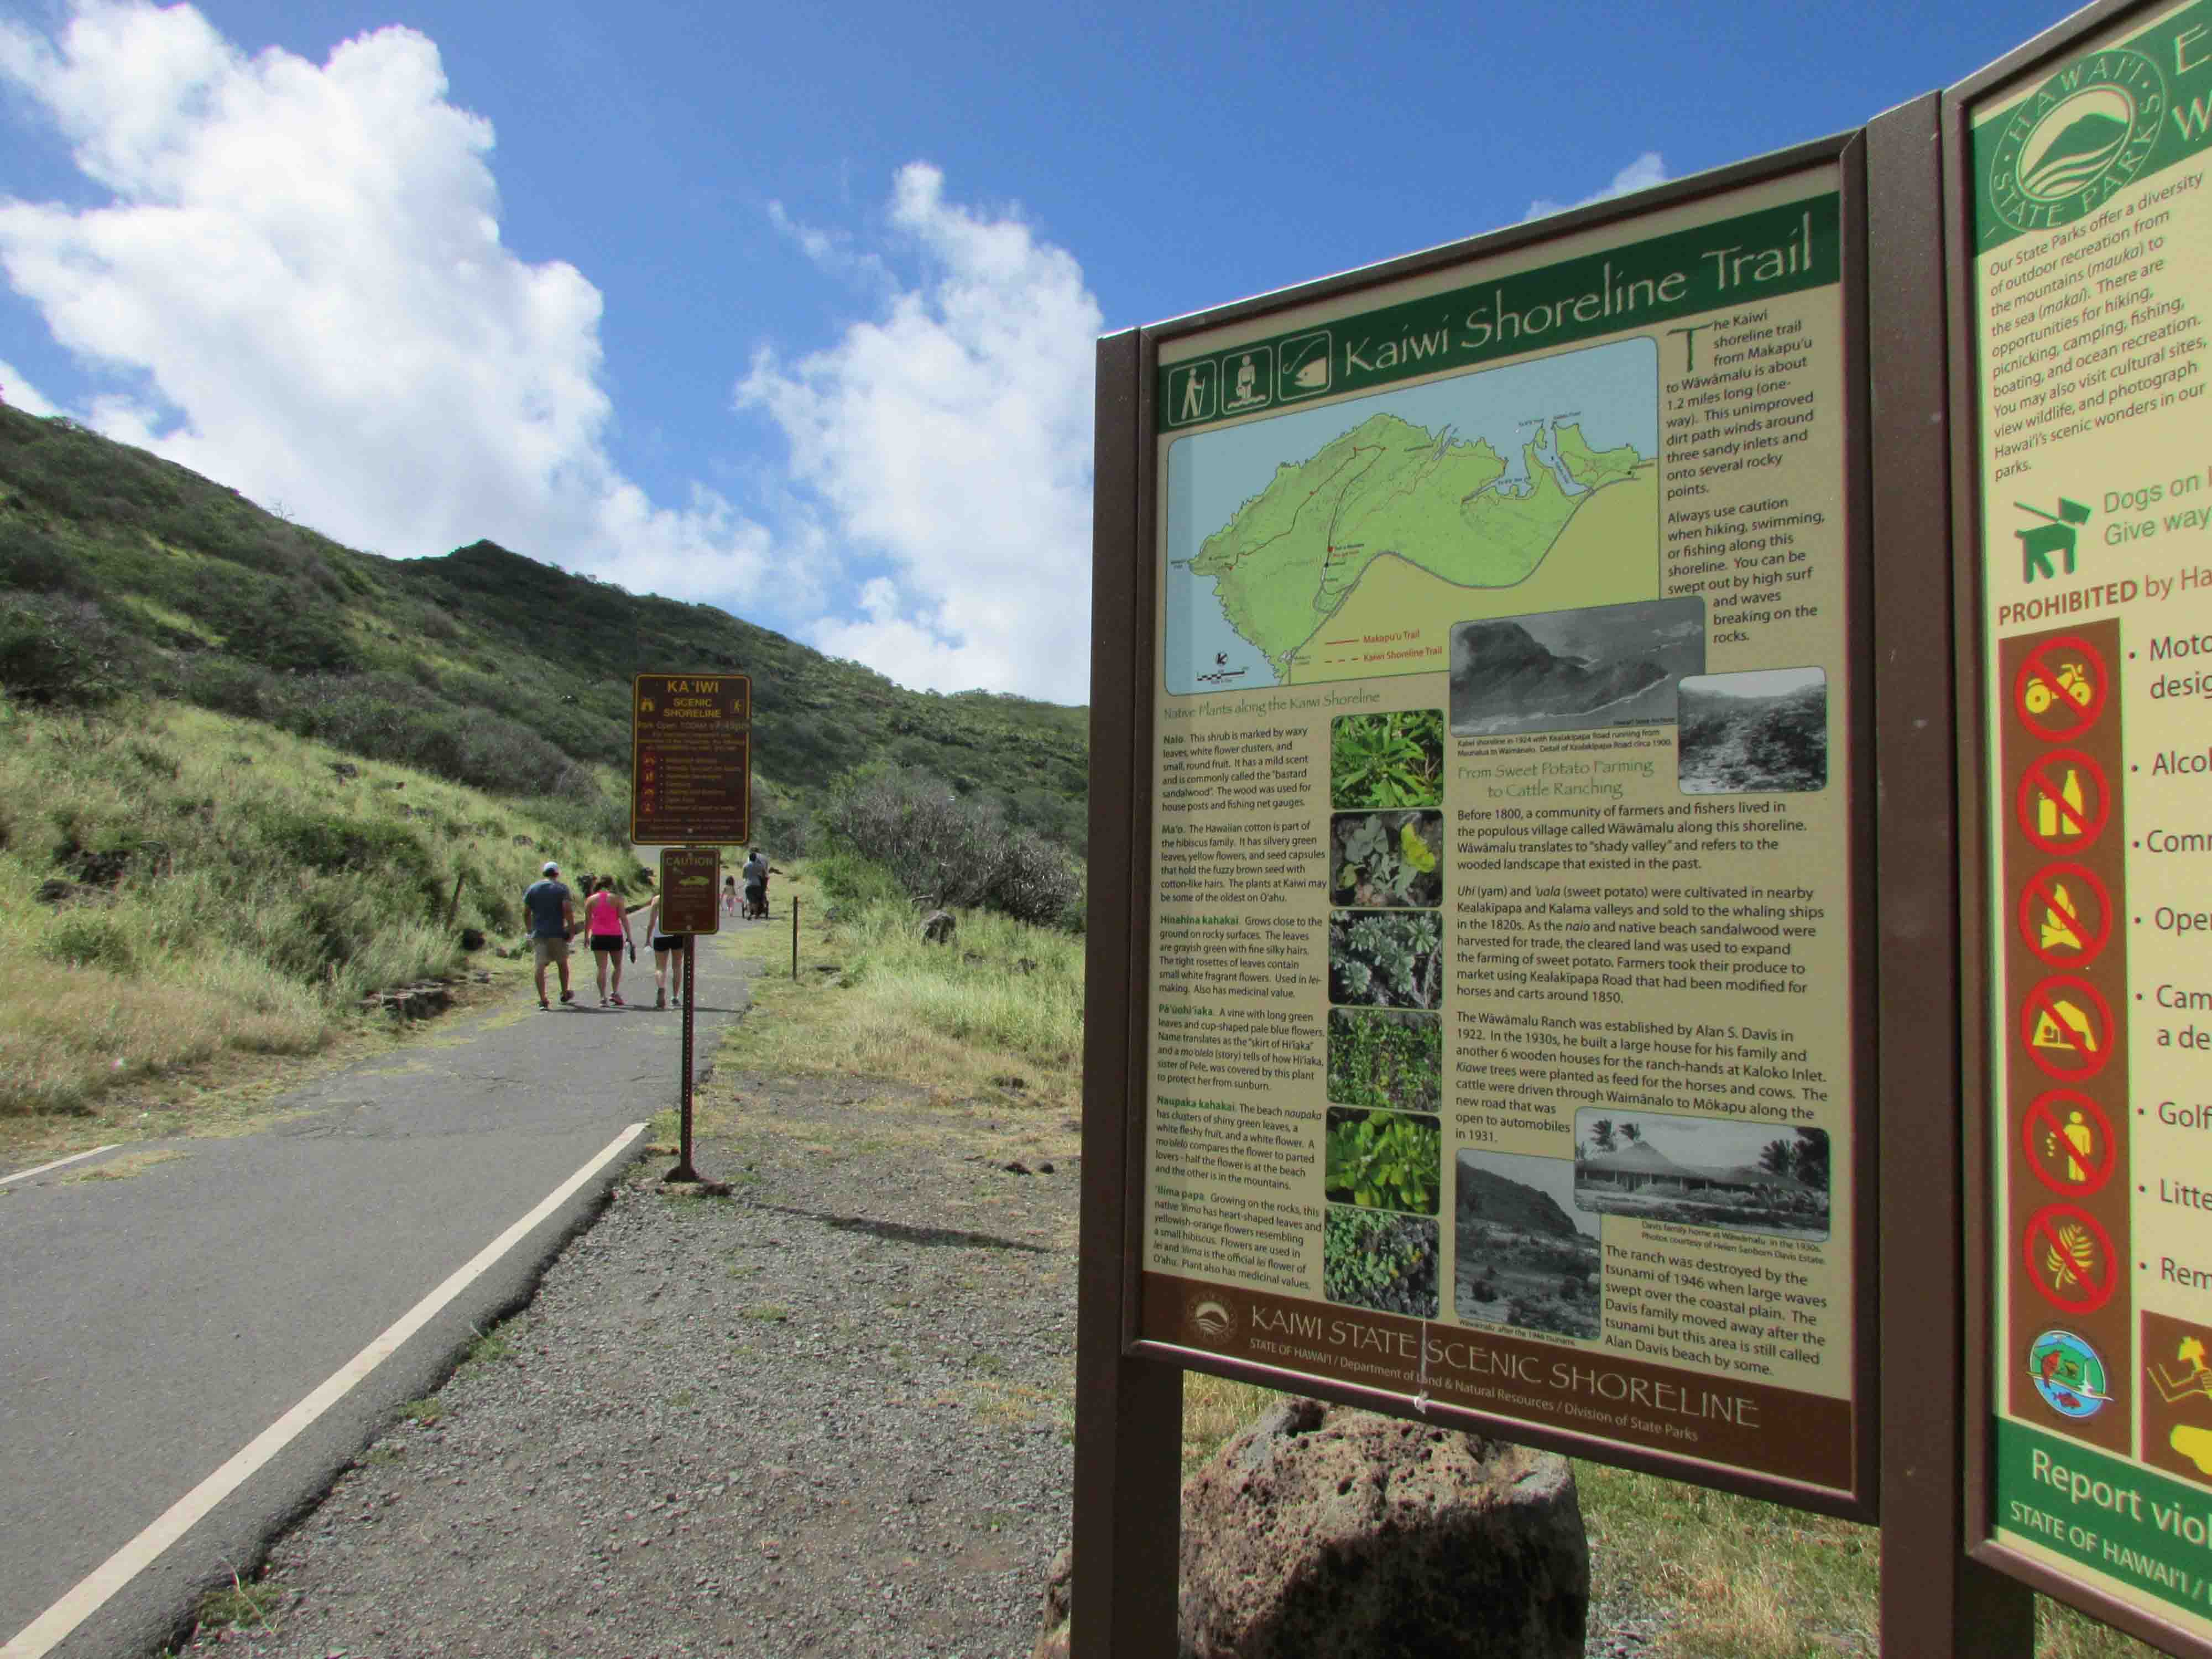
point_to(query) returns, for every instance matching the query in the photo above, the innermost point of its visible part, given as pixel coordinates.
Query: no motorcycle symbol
(2060, 688)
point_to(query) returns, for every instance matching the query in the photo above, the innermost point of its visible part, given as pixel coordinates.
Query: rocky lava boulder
(1325, 1530)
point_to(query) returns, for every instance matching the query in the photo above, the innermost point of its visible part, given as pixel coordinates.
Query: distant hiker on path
(757, 870)
(667, 956)
(729, 895)
(552, 919)
(609, 929)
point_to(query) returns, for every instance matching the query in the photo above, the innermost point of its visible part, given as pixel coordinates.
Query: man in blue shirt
(551, 917)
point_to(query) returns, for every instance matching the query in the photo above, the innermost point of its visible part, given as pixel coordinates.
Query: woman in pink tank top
(609, 927)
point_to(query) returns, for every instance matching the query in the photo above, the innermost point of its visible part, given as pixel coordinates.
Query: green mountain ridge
(122, 571)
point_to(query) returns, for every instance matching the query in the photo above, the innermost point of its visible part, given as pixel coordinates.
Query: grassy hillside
(122, 571)
(183, 886)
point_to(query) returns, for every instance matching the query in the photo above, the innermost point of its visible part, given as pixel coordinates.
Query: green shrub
(943, 850)
(335, 845)
(34, 563)
(61, 653)
(91, 938)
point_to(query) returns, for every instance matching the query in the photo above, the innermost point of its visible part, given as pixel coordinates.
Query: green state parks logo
(2079, 137)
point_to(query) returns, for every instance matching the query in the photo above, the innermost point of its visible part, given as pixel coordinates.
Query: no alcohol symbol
(2063, 801)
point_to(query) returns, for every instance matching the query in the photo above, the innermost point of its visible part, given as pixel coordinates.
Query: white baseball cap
(549, 868)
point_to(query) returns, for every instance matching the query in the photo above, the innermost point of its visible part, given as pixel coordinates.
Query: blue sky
(790, 308)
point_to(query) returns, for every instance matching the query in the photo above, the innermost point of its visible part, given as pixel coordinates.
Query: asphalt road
(152, 1327)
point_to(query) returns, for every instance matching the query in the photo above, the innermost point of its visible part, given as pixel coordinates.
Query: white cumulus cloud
(297, 287)
(1646, 170)
(948, 439)
(17, 392)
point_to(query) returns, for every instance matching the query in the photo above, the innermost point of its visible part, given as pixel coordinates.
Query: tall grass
(233, 889)
(1003, 998)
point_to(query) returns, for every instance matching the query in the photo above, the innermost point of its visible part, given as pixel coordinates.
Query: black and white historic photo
(1763, 729)
(1748, 1177)
(1566, 670)
(1523, 1255)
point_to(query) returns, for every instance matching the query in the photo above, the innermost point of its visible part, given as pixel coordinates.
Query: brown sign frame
(1978, 932)
(722, 729)
(1125, 693)
(679, 866)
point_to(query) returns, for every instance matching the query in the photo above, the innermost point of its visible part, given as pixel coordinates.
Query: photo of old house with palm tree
(1754, 1177)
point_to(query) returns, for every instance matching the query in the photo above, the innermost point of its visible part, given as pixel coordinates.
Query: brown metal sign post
(691, 882)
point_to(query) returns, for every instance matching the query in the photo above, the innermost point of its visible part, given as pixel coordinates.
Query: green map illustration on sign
(1469, 484)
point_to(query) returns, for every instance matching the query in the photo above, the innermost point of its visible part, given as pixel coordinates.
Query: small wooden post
(794, 941)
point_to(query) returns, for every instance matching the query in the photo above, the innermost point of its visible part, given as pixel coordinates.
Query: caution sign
(2068, 1142)
(2065, 914)
(2067, 1026)
(2063, 801)
(2060, 688)
(2069, 1258)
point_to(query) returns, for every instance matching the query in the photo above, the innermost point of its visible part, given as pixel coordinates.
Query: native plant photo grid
(1384, 1174)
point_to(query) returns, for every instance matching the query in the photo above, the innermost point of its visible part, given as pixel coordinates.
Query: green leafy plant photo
(1387, 760)
(1373, 1259)
(1385, 960)
(1387, 859)
(1385, 1059)
(1384, 1160)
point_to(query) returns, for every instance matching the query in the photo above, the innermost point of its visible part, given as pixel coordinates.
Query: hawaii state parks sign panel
(2091, 282)
(1503, 1001)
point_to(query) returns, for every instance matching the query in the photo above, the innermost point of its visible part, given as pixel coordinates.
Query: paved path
(156, 1325)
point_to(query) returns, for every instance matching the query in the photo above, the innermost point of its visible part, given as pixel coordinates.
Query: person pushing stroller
(758, 871)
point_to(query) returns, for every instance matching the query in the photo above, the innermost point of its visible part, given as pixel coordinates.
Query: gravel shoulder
(826, 1415)
(830, 1414)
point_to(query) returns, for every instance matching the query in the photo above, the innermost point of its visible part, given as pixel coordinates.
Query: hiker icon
(2053, 538)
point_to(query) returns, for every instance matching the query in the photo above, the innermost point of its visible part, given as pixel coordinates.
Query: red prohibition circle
(2036, 669)
(2044, 1111)
(2092, 1050)
(2038, 787)
(2042, 1231)
(2041, 892)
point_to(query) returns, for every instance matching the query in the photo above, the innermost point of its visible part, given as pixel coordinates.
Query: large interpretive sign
(1504, 1001)
(2091, 281)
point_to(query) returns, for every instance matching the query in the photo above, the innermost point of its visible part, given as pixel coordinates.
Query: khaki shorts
(549, 950)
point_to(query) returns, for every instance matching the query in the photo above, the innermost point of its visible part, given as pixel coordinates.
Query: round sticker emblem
(2083, 134)
(2069, 1374)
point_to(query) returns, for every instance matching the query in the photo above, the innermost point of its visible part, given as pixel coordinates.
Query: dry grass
(216, 960)
(961, 1020)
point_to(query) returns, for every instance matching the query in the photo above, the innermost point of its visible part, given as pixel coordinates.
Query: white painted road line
(25, 1175)
(43, 1633)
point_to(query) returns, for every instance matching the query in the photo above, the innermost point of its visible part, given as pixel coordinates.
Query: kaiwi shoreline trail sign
(1648, 838)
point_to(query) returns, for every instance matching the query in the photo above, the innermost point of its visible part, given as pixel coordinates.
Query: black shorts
(606, 941)
(668, 941)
